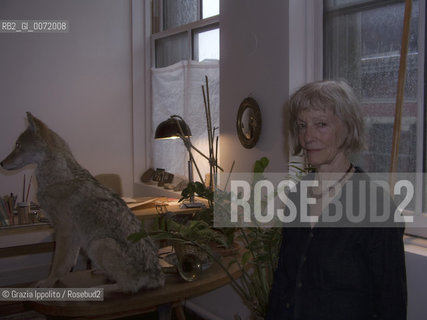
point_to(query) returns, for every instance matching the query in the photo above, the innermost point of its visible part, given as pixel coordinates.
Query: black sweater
(340, 273)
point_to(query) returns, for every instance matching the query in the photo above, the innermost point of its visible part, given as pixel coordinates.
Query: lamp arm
(188, 144)
(175, 116)
(199, 152)
(211, 160)
(197, 168)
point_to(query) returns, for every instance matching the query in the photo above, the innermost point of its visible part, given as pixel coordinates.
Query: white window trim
(306, 46)
(422, 232)
(141, 87)
(306, 42)
(142, 61)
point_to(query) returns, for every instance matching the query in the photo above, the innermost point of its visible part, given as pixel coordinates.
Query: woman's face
(321, 133)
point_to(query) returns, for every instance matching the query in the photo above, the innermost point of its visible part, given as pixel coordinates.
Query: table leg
(165, 311)
(179, 312)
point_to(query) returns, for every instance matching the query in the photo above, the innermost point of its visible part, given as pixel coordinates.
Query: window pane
(178, 90)
(179, 12)
(210, 8)
(330, 5)
(172, 49)
(206, 45)
(363, 48)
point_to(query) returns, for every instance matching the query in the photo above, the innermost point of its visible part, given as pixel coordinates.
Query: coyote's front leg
(65, 257)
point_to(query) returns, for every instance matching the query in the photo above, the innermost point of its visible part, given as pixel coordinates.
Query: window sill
(415, 245)
(152, 190)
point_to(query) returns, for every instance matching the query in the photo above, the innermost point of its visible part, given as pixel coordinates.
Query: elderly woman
(328, 271)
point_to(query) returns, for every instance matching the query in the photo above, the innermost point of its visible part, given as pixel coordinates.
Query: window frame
(421, 151)
(189, 29)
(158, 31)
(145, 28)
(141, 88)
(305, 25)
(154, 19)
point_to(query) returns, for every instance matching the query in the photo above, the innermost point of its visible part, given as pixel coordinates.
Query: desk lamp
(175, 127)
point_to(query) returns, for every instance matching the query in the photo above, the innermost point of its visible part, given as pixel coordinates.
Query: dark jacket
(340, 273)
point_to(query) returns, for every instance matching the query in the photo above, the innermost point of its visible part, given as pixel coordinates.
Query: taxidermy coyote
(84, 214)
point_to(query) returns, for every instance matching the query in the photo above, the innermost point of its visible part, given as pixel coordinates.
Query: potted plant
(260, 245)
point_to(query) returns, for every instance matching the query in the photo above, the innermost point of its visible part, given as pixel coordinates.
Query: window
(185, 48)
(185, 30)
(362, 41)
(206, 44)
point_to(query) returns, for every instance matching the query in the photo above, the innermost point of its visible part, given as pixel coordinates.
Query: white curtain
(177, 89)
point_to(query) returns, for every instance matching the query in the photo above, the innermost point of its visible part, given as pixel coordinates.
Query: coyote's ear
(32, 124)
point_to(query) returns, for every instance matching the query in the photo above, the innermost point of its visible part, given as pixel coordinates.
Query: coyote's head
(33, 145)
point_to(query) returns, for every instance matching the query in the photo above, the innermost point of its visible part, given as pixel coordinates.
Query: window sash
(188, 47)
(189, 29)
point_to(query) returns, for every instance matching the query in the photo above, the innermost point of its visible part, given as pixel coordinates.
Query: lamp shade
(169, 128)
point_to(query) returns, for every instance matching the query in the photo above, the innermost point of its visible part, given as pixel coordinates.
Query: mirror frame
(255, 122)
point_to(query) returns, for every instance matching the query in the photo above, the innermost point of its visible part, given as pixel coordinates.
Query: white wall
(254, 62)
(79, 83)
(416, 266)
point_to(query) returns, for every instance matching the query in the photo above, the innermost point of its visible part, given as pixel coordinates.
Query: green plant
(258, 261)
(200, 190)
(197, 232)
(257, 266)
(261, 246)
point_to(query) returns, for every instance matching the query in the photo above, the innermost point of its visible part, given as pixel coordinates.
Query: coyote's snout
(30, 146)
(84, 213)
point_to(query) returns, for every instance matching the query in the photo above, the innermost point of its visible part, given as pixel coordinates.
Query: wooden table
(39, 238)
(31, 239)
(156, 209)
(117, 305)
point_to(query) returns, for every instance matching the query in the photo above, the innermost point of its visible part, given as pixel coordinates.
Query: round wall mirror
(248, 123)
